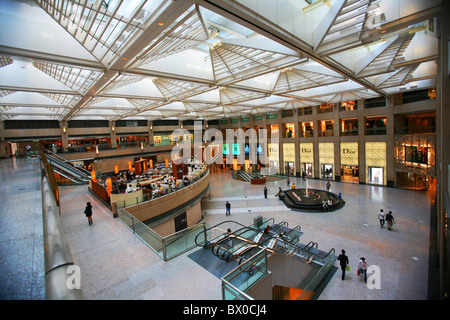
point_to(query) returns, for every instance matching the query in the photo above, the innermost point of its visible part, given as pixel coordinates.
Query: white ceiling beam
(326, 23)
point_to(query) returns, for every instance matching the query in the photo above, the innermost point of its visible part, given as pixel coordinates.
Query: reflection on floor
(116, 265)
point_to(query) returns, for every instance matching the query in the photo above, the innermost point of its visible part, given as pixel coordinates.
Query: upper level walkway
(116, 265)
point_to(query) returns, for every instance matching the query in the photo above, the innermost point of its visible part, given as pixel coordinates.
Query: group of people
(327, 205)
(345, 265)
(386, 218)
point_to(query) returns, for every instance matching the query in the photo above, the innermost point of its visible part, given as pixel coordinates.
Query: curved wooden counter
(155, 207)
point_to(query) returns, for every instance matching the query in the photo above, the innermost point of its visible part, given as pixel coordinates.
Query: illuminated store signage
(349, 153)
(307, 158)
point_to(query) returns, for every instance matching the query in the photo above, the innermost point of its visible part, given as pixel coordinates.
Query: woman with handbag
(362, 268)
(88, 212)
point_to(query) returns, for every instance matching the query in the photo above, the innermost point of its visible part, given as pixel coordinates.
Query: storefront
(289, 159)
(307, 159)
(349, 162)
(376, 163)
(415, 160)
(274, 156)
(326, 160)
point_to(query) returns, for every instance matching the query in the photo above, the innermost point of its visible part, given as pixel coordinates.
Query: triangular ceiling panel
(233, 95)
(385, 57)
(123, 80)
(64, 99)
(102, 27)
(22, 74)
(187, 32)
(27, 98)
(179, 90)
(399, 77)
(236, 62)
(191, 106)
(146, 104)
(341, 27)
(79, 79)
(134, 87)
(293, 79)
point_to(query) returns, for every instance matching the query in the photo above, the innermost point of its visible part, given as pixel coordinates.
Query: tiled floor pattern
(116, 265)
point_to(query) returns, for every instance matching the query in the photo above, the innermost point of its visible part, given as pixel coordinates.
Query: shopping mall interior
(308, 117)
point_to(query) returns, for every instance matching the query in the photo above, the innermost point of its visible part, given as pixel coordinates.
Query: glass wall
(349, 127)
(325, 108)
(307, 129)
(288, 130)
(376, 125)
(348, 105)
(326, 128)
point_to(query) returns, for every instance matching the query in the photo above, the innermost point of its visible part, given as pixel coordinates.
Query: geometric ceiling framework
(155, 59)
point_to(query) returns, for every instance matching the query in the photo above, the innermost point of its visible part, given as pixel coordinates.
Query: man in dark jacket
(343, 260)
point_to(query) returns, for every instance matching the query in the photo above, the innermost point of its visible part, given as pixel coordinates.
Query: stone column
(390, 142)
(297, 144)
(150, 132)
(64, 135)
(362, 143)
(112, 133)
(316, 174)
(337, 145)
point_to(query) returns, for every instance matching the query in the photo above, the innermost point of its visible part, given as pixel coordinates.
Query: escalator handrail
(62, 159)
(74, 179)
(223, 222)
(69, 175)
(65, 166)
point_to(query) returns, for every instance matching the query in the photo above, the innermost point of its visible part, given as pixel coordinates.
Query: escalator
(67, 169)
(244, 175)
(239, 240)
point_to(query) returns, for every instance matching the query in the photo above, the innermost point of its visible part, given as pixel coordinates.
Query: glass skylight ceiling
(136, 59)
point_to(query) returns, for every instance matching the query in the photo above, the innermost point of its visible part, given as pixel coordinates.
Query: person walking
(390, 220)
(343, 261)
(362, 268)
(265, 192)
(88, 212)
(328, 185)
(303, 175)
(228, 209)
(381, 217)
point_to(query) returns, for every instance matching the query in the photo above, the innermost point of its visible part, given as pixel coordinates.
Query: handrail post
(164, 249)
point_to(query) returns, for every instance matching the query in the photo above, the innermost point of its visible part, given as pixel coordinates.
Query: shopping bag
(358, 272)
(348, 268)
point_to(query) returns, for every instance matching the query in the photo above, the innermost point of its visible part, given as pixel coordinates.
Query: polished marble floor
(116, 265)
